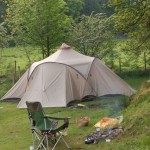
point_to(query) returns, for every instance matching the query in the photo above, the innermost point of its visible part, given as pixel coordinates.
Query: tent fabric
(64, 76)
(18, 90)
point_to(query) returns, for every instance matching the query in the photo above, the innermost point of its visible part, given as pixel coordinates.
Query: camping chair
(45, 129)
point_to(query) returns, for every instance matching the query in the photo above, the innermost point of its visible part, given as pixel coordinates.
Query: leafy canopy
(38, 22)
(3, 36)
(91, 34)
(133, 18)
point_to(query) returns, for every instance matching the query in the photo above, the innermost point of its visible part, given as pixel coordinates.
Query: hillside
(137, 120)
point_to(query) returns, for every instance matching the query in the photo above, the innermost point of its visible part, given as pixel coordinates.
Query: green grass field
(15, 130)
(15, 133)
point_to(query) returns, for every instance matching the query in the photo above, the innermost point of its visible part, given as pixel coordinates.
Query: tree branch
(142, 42)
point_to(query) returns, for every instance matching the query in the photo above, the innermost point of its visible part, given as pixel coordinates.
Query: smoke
(114, 104)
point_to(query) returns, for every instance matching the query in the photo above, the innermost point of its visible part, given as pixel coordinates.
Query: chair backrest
(36, 116)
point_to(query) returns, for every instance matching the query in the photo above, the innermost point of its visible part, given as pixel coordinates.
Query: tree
(39, 22)
(2, 10)
(96, 6)
(141, 53)
(91, 35)
(74, 7)
(3, 36)
(132, 18)
(91, 6)
(105, 8)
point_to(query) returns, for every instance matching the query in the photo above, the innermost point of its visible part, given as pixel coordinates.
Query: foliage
(105, 8)
(96, 6)
(142, 51)
(131, 15)
(74, 8)
(2, 10)
(3, 36)
(126, 60)
(91, 35)
(38, 22)
(132, 20)
(91, 6)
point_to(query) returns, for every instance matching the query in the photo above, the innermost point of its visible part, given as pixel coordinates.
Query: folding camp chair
(45, 129)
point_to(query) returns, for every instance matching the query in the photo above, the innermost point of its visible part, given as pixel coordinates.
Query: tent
(64, 76)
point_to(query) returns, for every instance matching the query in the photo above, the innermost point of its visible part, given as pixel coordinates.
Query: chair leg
(61, 136)
(47, 142)
(57, 142)
(33, 139)
(45, 138)
(41, 143)
(65, 142)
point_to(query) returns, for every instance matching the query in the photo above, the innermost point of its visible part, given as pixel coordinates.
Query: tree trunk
(27, 54)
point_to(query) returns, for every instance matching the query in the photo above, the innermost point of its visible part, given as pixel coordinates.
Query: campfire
(106, 129)
(106, 135)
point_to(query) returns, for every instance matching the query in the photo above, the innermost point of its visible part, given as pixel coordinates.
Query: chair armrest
(56, 118)
(60, 127)
(54, 112)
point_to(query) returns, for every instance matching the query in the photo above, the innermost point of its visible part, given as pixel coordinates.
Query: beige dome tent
(64, 76)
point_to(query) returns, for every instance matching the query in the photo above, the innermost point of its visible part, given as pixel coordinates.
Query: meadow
(15, 130)
(15, 133)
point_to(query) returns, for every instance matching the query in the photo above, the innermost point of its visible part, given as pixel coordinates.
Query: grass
(15, 131)
(136, 81)
(8, 57)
